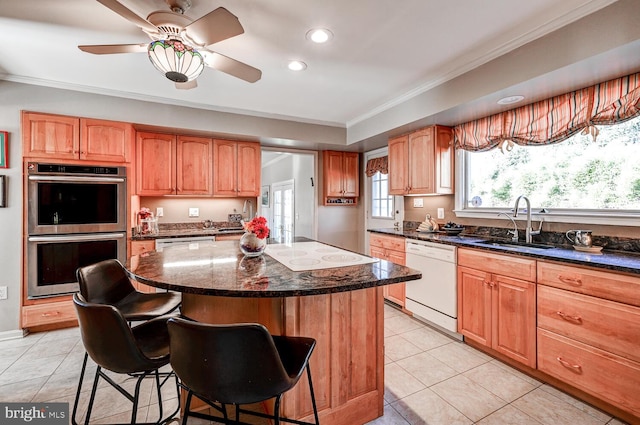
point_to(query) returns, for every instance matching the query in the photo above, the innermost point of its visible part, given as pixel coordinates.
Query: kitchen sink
(515, 244)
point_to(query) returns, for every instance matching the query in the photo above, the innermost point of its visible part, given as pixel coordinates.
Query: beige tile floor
(429, 379)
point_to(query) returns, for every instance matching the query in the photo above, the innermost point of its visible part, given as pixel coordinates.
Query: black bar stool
(107, 282)
(115, 346)
(237, 364)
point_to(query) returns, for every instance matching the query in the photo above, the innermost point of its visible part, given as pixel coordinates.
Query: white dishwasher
(192, 241)
(434, 296)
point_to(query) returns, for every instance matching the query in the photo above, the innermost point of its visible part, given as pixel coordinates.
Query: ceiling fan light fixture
(319, 35)
(178, 61)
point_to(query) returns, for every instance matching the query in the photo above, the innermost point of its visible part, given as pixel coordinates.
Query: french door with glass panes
(282, 227)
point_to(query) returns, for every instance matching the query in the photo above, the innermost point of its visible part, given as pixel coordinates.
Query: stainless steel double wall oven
(77, 216)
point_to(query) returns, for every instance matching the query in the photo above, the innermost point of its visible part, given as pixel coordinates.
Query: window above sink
(575, 181)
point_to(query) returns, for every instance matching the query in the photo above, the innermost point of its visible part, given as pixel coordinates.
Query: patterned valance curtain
(556, 119)
(377, 164)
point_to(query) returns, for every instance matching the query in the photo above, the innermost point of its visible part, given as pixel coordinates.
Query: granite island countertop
(609, 260)
(219, 268)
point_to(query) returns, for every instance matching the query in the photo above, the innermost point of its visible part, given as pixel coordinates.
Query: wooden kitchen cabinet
(173, 165)
(497, 303)
(389, 248)
(421, 162)
(589, 331)
(56, 314)
(50, 136)
(102, 140)
(155, 164)
(140, 248)
(62, 137)
(341, 183)
(236, 170)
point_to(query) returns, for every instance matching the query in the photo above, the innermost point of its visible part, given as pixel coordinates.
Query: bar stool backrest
(235, 364)
(108, 339)
(105, 282)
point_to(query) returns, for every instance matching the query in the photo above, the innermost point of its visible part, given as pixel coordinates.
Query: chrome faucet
(514, 232)
(529, 232)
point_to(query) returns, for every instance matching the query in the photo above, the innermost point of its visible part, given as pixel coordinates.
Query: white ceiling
(383, 51)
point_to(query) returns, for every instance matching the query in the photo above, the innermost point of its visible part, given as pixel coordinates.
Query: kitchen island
(341, 307)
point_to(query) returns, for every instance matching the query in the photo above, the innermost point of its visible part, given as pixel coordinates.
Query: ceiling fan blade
(232, 67)
(214, 27)
(121, 10)
(107, 49)
(187, 86)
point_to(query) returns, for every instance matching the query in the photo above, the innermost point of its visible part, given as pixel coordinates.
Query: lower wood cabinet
(392, 249)
(48, 314)
(589, 331)
(139, 248)
(498, 310)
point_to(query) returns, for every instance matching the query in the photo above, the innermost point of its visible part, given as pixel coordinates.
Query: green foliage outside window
(577, 173)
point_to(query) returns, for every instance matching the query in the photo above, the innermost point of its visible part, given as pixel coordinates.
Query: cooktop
(300, 256)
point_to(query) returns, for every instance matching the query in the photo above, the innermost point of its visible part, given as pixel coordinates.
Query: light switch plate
(418, 203)
(194, 212)
(159, 212)
(440, 212)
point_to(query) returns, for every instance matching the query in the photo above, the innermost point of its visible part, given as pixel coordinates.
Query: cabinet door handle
(55, 313)
(573, 367)
(569, 318)
(575, 281)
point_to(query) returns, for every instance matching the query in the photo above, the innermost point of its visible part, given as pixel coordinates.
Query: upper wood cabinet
(341, 183)
(155, 164)
(194, 174)
(236, 170)
(497, 303)
(421, 162)
(62, 137)
(173, 165)
(105, 140)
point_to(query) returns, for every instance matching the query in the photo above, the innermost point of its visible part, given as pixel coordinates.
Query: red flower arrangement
(257, 226)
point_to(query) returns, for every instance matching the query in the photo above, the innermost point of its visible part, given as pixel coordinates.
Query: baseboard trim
(18, 333)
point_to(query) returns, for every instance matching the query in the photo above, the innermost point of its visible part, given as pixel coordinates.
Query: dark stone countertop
(609, 260)
(189, 230)
(219, 268)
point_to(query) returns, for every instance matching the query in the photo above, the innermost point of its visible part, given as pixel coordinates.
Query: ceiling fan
(180, 46)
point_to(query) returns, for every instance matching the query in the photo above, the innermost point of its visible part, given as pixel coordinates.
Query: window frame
(392, 198)
(577, 216)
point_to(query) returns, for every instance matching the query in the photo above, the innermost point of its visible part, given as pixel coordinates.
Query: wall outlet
(194, 212)
(3, 292)
(440, 212)
(418, 203)
(159, 212)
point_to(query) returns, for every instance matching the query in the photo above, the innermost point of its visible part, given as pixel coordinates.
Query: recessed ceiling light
(297, 65)
(510, 99)
(319, 35)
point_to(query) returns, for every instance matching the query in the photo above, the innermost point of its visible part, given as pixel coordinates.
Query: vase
(251, 245)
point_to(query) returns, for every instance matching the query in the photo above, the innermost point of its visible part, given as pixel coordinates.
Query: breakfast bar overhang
(341, 307)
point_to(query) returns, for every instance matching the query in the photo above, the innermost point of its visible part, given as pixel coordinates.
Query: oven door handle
(73, 238)
(83, 179)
